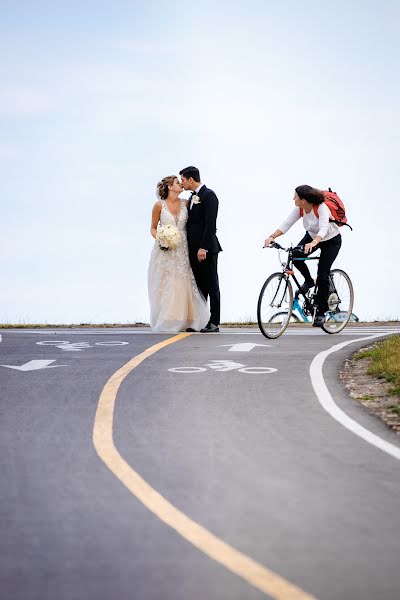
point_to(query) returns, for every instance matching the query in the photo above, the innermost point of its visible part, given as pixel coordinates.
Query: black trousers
(206, 276)
(329, 251)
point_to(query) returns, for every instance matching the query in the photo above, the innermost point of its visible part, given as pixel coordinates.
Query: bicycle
(275, 302)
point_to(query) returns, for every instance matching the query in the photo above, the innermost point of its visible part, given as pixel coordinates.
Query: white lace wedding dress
(175, 301)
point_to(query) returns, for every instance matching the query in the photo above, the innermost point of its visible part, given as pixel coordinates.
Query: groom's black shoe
(210, 328)
(190, 330)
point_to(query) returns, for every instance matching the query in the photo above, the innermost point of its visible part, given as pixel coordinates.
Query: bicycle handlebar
(300, 248)
(277, 246)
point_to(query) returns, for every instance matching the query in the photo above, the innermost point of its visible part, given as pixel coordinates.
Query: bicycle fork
(273, 305)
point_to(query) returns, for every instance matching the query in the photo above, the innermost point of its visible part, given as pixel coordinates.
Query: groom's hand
(201, 255)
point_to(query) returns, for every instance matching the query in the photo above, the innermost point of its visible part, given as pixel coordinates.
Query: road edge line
(329, 405)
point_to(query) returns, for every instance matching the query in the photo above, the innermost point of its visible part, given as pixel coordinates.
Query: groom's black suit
(201, 233)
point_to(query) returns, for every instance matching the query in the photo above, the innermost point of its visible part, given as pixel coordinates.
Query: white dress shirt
(314, 225)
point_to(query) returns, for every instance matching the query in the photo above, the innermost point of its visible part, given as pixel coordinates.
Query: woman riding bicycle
(321, 233)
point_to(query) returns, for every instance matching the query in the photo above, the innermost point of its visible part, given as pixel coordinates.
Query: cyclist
(321, 233)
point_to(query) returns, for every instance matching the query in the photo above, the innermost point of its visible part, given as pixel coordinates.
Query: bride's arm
(155, 218)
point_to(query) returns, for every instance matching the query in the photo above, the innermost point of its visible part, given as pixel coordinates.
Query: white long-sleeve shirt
(314, 225)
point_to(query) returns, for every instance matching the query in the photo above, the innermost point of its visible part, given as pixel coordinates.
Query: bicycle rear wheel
(340, 302)
(278, 316)
(274, 306)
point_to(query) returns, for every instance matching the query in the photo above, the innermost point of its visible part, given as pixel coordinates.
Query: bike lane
(66, 526)
(253, 457)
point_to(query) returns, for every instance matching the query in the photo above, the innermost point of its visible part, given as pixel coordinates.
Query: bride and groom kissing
(183, 269)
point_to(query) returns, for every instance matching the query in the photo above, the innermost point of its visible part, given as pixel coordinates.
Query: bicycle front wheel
(340, 302)
(278, 316)
(275, 304)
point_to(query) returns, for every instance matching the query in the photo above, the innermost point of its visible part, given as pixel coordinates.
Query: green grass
(385, 362)
(239, 324)
(366, 398)
(243, 322)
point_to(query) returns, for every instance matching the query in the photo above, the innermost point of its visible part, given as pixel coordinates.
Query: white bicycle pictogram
(224, 366)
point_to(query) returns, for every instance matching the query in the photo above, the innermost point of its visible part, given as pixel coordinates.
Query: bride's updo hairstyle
(162, 186)
(312, 195)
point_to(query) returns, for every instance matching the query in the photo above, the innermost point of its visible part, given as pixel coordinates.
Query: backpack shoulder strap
(315, 207)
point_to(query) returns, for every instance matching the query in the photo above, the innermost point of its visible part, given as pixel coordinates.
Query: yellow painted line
(252, 572)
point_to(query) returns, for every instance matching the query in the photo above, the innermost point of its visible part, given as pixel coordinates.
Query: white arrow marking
(245, 347)
(34, 365)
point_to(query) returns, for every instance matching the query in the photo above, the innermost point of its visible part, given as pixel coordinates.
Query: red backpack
(336, 206)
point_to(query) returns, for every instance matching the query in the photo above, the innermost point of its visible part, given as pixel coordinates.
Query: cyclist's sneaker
(304, 288)
(318, 321)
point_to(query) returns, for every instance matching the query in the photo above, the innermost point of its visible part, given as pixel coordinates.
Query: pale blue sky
(99, 100)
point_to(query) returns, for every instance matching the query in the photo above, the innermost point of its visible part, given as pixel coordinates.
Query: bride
(175, 301)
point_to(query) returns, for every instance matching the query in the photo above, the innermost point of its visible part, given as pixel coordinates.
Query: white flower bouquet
(168, 237)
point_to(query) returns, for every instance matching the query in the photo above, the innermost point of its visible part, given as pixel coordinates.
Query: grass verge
(237, 324)
(385, 362)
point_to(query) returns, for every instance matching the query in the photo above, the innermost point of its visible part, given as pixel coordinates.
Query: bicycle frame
(288, 270)
(299, 309)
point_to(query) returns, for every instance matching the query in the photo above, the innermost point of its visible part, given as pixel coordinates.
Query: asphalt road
(233, 437)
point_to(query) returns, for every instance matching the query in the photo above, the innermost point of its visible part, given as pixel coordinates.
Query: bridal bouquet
(168, 237)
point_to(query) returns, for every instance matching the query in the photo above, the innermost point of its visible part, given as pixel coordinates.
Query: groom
(202, 241)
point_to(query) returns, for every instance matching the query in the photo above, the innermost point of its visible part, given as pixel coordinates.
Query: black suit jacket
(202, 223)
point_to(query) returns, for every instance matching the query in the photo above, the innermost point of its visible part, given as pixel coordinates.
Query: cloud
(21, 101)
(149, 48)
(8, 152)
(108, 79)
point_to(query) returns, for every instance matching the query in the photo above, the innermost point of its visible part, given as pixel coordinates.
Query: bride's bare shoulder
(157, 206)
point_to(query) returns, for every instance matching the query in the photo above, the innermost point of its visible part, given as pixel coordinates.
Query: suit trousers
(206, 276)
(329, 251)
